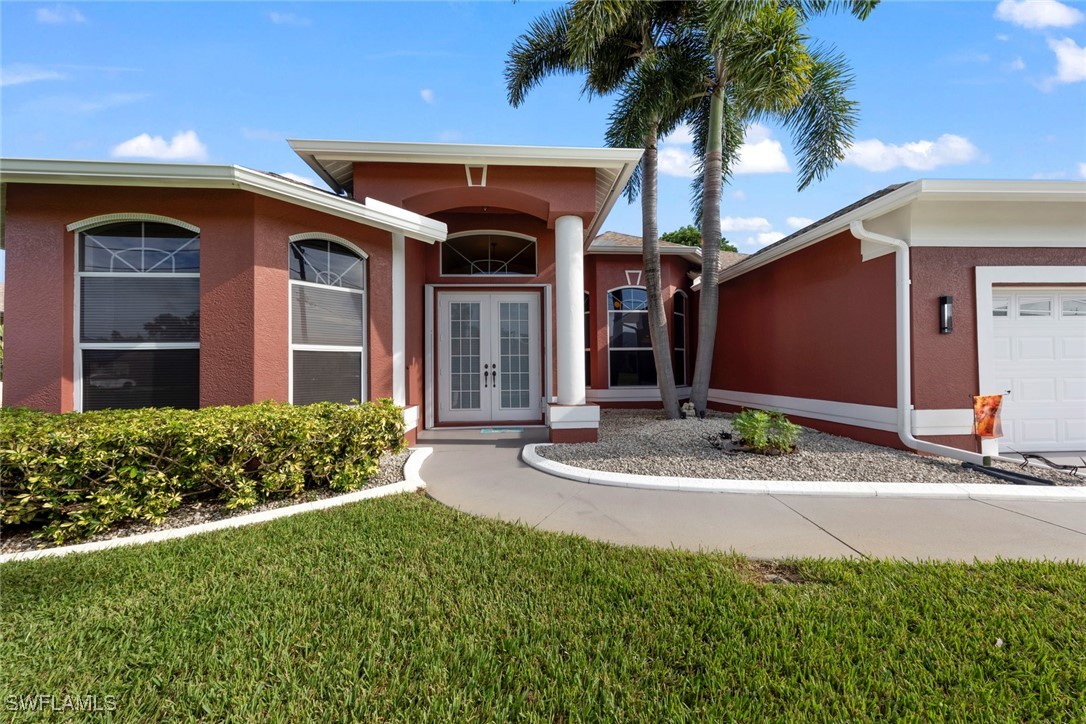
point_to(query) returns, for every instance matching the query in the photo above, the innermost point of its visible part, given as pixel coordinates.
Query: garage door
(1040, 364)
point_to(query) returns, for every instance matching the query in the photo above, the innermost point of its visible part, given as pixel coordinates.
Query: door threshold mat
(499, 430)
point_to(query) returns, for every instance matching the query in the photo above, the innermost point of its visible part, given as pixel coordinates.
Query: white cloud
(798, 222)
(1082, 169)
(1070, 61)
(768, 237)
(289, 19)
(59, 14)
(19, 74)
(675, 161)
(427, 95)
(300, 179)
(745, 223)
(1038, 13)
(184, 146)
(947, 150)
(681, 134)
(1017, 64)
(1003, 37)
(761, 153)
(739, 195)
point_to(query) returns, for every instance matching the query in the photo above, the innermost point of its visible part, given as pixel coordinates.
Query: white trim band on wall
(117, 218)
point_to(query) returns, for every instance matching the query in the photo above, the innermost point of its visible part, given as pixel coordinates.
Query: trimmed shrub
(766, 431)
(76, 474)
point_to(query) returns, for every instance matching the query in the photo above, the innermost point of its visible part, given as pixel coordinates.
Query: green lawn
(402, 609)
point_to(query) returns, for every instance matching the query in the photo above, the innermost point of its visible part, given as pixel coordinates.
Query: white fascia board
(205, 176)
(884, 204)
(633, 157)
(692, 254)
(460, 153)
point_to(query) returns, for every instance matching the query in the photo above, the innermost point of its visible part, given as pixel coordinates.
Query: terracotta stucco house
(473, 286)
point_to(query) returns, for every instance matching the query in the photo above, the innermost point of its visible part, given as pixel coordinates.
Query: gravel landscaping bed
(643, 442)
(205, 511)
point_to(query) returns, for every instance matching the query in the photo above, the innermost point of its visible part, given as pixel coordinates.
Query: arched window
(629, 344)
(678, 333)
(138, 315)
(327, 320)
(478, 253)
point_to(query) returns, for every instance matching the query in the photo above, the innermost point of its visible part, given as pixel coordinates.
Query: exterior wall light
(946, 314)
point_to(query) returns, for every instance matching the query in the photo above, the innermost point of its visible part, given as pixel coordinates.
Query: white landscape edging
(411, 483)
(988, 491)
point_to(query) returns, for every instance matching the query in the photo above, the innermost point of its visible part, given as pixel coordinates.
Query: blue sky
(946, 90)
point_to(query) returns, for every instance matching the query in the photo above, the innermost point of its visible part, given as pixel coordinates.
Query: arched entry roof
(599, 175)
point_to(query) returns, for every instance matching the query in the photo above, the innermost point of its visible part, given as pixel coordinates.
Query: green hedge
(70, 476)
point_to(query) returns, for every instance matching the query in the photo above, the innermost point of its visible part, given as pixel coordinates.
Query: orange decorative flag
(986, 422)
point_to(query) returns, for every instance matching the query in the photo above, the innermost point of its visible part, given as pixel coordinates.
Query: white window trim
(607, 301)
(986, 278)
(81, 227)
(494, 232)
(363, 349)
(104, 219)
(588, 349)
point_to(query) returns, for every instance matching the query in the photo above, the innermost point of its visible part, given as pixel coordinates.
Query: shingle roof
(611, 240)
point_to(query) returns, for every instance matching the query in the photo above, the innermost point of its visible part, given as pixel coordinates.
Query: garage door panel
(1073, 348)
(1035, 390)
(1002, 348)
(1075, 433)
(1074, 390)
(1036, 349)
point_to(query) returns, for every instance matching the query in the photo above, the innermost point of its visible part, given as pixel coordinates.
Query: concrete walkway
(483, 475)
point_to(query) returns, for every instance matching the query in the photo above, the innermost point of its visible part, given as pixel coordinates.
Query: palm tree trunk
(650, 251)
(710, 250)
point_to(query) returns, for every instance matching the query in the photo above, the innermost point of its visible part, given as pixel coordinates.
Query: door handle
(486, 375)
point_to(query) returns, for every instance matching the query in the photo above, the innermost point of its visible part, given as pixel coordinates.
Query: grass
(402, 609)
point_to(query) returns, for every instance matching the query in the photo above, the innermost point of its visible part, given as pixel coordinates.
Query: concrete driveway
(482, 474)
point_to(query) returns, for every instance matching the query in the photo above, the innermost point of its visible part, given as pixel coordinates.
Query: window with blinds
(327, 322)
(138, 316)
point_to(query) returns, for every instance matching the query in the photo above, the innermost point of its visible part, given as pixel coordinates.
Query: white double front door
(488, 357)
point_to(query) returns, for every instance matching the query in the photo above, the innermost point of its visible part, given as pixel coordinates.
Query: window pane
(327, 377)
(630, 329)
(1034, 307)
(629, 368)
(1074, 306)
(587, 368)
(326, 262)
(680, 303)
(326, 316)
(679, 331)
(139, 309)
(137, 246)
(678, 362)
(1000, 305)
(628, 299)
(131, 378)
(488, 254)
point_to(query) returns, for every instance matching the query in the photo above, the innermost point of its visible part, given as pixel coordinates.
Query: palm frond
(538, 53)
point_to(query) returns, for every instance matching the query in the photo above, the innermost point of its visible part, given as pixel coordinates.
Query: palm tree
(641, 52)
(761, 67)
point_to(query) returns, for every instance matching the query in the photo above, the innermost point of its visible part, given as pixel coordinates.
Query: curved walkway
(482, 474)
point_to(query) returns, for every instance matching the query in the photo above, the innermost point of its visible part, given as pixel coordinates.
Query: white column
(569, 299)
(399, 320)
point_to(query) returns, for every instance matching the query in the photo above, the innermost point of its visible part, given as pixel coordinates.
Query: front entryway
(488, 357)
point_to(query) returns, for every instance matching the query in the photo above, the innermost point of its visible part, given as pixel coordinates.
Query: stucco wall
(244, 295)
(816, 324)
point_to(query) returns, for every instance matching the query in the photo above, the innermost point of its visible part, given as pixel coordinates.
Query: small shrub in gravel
(70, 476)
(767, 432)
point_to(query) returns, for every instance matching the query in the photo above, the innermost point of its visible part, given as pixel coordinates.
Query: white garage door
(1040, 364)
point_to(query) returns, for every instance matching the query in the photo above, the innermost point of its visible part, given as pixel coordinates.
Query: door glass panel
(515, 360)
(1074, 306)
(464, 355)
(1034, 307)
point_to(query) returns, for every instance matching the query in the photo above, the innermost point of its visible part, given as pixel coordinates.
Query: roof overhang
(334, 162)
(920, 190)
(205, 176)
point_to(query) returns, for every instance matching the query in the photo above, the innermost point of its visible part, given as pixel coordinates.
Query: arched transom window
(138, 302)
(488, 252)
(328, 321)
(629, 344)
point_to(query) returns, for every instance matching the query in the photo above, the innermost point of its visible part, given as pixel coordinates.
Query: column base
(573, 423)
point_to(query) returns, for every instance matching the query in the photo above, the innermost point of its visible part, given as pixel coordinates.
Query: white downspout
(904, 351)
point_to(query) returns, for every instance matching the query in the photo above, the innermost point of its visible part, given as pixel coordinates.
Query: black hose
(1009, 475)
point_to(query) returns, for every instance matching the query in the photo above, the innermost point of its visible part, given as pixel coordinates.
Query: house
(470, 284)
(884, 319)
